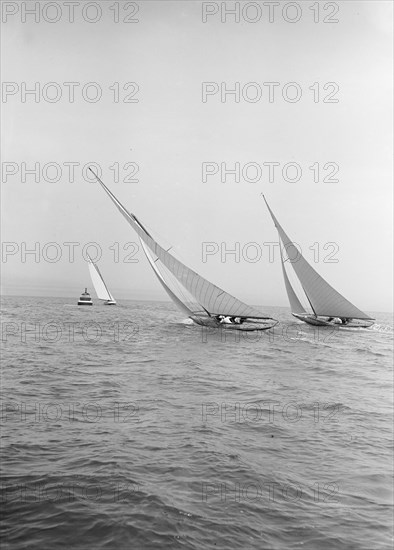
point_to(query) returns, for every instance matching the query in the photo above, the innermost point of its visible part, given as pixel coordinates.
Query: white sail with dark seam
(324, 299)
(213, 299)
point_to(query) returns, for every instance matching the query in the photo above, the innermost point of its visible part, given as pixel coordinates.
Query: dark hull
(247, 326)
(323, 322)
(85, 303)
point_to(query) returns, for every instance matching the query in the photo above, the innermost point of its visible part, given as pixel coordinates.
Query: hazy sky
(170, 132)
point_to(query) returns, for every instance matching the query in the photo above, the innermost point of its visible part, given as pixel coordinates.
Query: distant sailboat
(99, 285)
(203, 302)
(328, 306)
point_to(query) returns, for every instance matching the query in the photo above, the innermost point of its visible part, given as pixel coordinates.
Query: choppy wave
(127, 427)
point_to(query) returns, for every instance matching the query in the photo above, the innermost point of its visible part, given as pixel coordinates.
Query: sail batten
(194, 283)
(323, 298)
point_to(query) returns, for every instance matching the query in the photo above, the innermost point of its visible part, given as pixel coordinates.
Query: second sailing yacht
(328, 306)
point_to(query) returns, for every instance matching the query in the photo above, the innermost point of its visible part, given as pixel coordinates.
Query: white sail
(295, 304)
(171, 294)
(212, 299)
(324, 299)
(98, 282)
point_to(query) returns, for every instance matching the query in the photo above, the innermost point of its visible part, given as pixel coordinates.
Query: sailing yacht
(329, 307)
(200, 300)
(99, 285)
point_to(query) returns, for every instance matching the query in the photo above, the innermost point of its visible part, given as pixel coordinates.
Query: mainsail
(324, 299)
(209, 298)
(98, 282)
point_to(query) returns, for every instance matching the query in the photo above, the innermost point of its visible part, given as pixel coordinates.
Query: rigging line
(309, 300)
(206, 310)
(142, 227)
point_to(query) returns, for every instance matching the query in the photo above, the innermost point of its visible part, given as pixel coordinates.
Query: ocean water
(126, 428)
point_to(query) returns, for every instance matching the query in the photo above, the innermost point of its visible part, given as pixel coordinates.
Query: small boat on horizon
(85, 299)
(99, 284)
(203, 302)
(329, 307)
